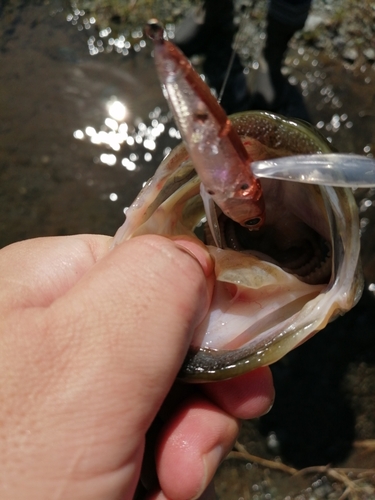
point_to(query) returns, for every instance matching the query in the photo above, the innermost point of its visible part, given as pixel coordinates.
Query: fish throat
(308, 257)
(295, 237)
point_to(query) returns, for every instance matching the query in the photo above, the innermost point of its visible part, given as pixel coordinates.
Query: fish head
(274, 287)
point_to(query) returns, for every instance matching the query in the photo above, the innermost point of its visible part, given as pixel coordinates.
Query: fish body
(274, 286)
(260, 309)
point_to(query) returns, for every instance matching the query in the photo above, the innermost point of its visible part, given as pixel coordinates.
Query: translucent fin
(345, 170)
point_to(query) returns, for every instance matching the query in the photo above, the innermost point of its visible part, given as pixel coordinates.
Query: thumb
(140, 305)
(110, 348)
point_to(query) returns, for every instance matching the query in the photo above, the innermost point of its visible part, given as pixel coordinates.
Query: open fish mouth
(275, 287)
(290, 244)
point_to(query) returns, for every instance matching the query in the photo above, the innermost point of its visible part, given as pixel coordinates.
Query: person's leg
(212, 35)
(285, 17)
(212, 20)
(272, 90)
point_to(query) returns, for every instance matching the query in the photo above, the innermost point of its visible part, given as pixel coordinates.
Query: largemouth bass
(286, 252)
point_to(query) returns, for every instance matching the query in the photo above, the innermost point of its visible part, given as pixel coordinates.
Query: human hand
(91, 341)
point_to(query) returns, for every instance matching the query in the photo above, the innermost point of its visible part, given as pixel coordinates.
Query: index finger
(34, 273)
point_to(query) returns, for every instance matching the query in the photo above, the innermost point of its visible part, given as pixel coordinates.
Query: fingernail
(215, 456)
(268, 409)
(197, 250)
(209, 492)
(211, 461)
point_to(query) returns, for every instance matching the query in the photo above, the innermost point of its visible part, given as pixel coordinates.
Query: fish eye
(200, 113)
(201, 116)
(252, 222)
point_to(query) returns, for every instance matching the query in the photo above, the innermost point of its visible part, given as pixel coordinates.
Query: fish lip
(203, 364)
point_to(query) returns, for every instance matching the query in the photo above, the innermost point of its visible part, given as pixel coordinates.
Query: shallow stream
(83, 128)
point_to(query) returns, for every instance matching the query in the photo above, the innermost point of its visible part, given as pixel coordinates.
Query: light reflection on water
(124, 141)
(117, 134)
(125, 43)
(117, 111)
(132, 144)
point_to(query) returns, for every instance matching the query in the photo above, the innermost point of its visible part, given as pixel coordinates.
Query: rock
(369, 53)
(350, 54)
(339, 42)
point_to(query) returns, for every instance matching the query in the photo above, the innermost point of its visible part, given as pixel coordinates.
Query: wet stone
(369, 53)
(350, 54)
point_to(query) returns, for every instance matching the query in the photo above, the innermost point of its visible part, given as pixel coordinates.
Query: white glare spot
(105, 32)
(148, 157)
(115, 145)
(113, 197)
(149, 144)
(78, 134)
(95, 139)
(111, 123)
(123, 128)
(90, 131)
(117, 110)
(108, 159)
(128, 164)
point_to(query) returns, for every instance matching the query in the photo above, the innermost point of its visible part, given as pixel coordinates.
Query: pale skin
(91, 341)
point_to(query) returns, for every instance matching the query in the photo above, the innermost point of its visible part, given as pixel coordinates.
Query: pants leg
(285, 17)
(214, 38)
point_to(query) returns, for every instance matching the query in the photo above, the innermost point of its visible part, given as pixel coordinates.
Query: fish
(268, 199)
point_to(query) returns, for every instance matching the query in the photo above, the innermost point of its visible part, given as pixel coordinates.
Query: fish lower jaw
(239, 316)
